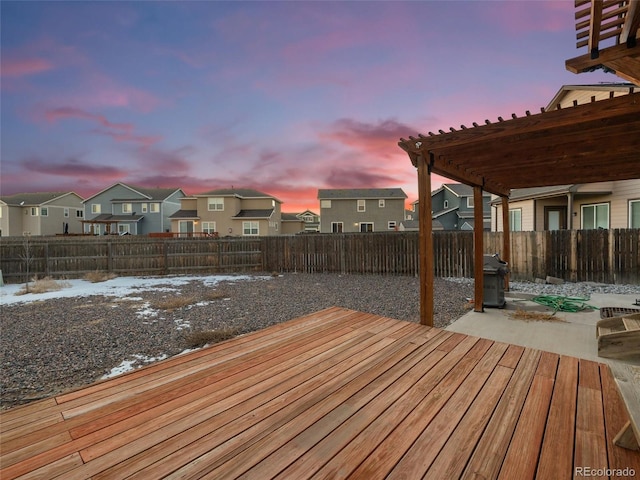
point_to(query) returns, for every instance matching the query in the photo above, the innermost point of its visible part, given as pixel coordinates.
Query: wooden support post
(426, 242)
(506, 239)
(478, 249)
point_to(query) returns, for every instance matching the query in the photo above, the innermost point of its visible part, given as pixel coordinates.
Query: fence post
(46, 260)
(109, 256)
(165, 255)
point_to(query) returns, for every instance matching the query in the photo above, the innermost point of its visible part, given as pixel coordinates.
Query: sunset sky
(282, 97)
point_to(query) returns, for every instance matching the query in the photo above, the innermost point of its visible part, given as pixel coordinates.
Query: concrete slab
(572, 334)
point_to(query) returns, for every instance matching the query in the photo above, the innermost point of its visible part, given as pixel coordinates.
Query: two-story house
(574, 207)
(45, 213)
(311, 221)
(453, 207)
(231, 212)
(130, 210)
(361, 209)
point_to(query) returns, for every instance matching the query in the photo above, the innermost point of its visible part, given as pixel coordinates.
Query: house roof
(237, 192)
(350, 193)
(108, 218)
(518, 194)
(291, 217)
(586, 143)
(31, 199)
(610, 31)
(158, 194)
(254, 213)
(185, 214)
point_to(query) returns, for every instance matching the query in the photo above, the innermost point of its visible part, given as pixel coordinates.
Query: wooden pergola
(594, 142)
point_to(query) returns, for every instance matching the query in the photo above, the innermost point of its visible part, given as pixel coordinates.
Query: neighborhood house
(361, 209)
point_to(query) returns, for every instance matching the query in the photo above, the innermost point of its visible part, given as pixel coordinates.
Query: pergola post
(506, 238)
(478, 248)
(426, 242)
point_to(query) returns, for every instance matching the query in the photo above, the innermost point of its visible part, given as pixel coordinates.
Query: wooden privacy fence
(130, 255)
(607, 256)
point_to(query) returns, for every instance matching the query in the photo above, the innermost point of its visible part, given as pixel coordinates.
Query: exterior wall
(16, 220)
(225, 225)
(167, 208)
(4, 219)
(291, 227)
(527, 207)
(622, 192)
(54, 222)
(584, 96)
(151, 223)
(346, 211)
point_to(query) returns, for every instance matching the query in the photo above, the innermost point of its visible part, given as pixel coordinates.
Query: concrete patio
(572, 334)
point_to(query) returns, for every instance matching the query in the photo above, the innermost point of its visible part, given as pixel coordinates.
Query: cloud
(64, 113)
(120, 132)
(379, 139)
(71, 167)
(21, 67)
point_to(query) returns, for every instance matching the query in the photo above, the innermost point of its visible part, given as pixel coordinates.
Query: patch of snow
(182, 324)
(120, 287)
(128, 365)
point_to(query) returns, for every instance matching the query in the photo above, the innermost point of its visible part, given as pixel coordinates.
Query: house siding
(225, 223)
(622, 192)
(346, 211)
(16, 220)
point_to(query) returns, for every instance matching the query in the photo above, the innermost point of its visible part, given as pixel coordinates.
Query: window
(446, 204)
(34, 211)
(366, 227)
(44, 211)
(381, 203)
(595, 216)
(126, 208)
(123, 228)
(154, 207)
(325, 203)
(1, 212)
(96, 208)
(215, 204)
(515, 220)
(634, 213)
(66, 213)
(391, 225)
(79, 213)
(362, 205)
(308, 218)
(144, 208)
(209, 227)
(250, 228)
(337, 227)
(470, 202)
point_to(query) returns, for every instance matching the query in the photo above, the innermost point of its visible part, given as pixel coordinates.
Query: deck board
(335, 394)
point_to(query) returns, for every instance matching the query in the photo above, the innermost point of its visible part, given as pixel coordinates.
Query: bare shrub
(210, 296)
(173, 303)
(97, 276)
(43, 285)
(209, 337)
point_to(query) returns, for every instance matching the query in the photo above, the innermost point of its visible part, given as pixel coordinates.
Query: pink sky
(283, 97)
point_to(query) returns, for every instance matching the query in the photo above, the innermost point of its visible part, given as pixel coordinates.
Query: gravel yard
(53, 345)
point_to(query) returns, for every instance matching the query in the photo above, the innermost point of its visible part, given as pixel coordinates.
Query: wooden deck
(331, 395)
